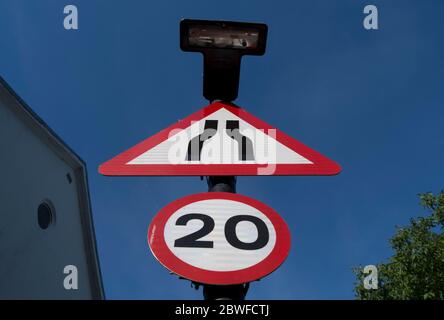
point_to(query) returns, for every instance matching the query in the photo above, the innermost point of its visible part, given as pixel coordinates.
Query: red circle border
(166, 257)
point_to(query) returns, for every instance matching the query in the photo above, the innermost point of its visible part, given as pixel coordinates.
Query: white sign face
(209, 218)
(220, 139)
(223, 138)
(219, 238)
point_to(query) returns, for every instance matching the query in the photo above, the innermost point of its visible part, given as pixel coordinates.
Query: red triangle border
(118, 166)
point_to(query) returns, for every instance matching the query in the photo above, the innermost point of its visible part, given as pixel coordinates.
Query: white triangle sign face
(220, 139)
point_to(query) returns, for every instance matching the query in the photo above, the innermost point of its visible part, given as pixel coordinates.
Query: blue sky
(370, 100)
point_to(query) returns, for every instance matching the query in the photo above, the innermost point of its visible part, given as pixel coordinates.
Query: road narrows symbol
(196, 144)
(219, 139)
(244, 144)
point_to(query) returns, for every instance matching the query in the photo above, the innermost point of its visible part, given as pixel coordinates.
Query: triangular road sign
(220, 139)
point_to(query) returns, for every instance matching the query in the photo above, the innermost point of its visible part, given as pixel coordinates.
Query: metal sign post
(230, 292)
(220, 239)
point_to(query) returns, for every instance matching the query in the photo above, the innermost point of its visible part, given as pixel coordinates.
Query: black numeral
(191, 240)
(262, 233)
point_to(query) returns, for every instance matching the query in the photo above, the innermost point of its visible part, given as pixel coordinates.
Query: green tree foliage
(416, 270)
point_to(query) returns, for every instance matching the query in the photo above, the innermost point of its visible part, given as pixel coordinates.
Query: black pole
(221, 184)
(228, 292)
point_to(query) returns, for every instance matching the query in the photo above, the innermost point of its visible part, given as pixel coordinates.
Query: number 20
(191, 240)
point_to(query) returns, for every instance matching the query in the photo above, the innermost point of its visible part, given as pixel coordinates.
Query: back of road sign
(220, 139)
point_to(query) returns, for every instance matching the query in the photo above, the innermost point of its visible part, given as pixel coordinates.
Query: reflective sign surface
(219, 238)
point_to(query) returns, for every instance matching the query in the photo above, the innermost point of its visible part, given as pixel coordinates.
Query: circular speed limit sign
(219, 238)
